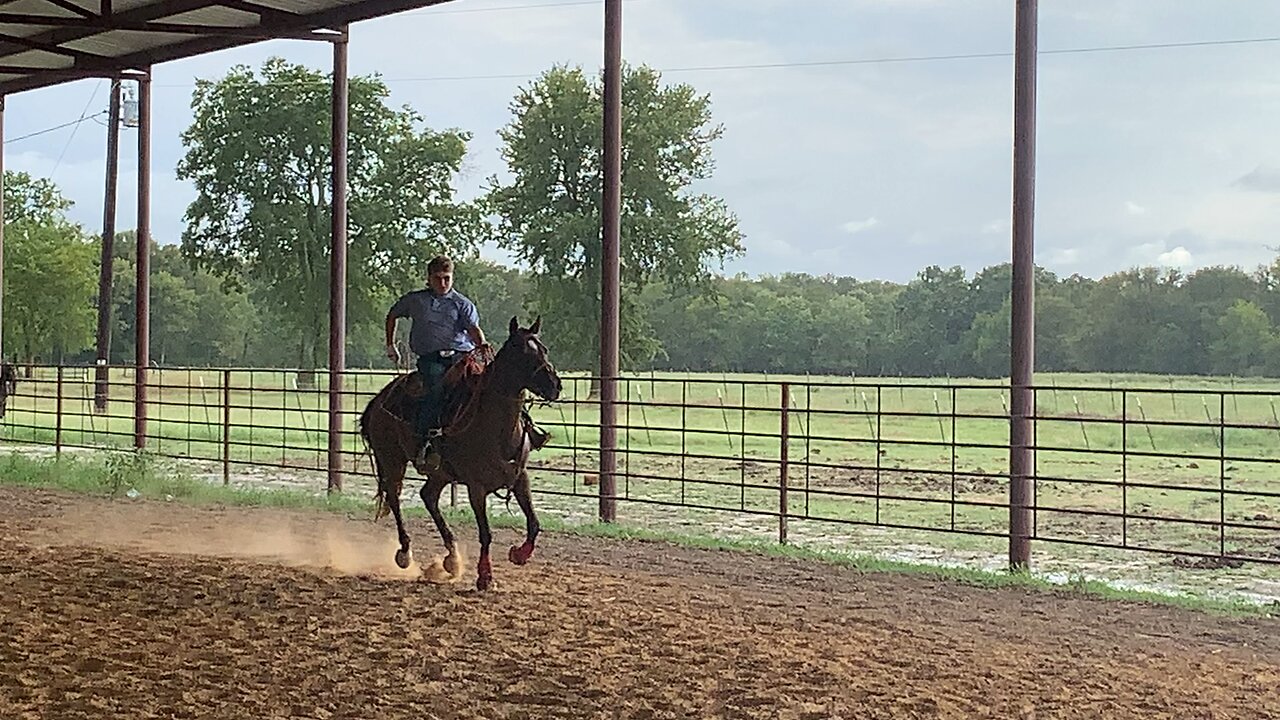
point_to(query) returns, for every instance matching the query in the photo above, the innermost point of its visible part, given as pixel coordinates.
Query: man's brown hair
(439, 263)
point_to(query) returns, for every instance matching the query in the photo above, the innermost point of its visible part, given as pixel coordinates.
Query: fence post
(57, 433)
(784, 470)
(226, 427)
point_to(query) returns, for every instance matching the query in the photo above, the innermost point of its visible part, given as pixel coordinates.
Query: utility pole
(102, 381)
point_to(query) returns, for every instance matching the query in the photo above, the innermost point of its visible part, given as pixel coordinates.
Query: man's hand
(393, 353)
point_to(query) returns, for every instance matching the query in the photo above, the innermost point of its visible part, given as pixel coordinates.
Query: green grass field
(917, 454)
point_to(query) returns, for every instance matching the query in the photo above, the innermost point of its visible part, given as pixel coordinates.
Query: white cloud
(1064, 256)
(1235, 216)
(853, 227)
(1134, 208)
(1178, 257)
(1003, 226)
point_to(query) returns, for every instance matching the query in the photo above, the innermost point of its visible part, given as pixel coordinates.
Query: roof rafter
(72, 7)
(106, 24)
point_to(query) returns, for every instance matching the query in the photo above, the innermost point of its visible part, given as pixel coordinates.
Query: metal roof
(47, 42)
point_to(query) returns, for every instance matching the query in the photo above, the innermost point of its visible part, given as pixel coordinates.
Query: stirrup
(537, 436)
(427, 459)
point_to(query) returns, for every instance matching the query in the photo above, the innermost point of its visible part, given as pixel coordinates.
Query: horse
(8, 385)
(484, 444)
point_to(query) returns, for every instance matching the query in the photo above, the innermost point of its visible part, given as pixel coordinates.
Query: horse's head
(529, 357)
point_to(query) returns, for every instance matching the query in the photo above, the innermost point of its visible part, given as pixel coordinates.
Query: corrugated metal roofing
(46, 42)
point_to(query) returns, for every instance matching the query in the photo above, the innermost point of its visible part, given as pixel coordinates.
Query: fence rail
(1190, 472)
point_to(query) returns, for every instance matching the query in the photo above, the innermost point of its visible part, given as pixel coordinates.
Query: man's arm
(398, 310)
(391, 328)
(469, 318)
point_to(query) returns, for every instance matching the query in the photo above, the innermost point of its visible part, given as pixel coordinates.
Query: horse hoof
(519, 554)
(451, 564)
(484, 582)
(402, 559)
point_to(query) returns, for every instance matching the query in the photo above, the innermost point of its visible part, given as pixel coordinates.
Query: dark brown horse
(8, 385)
(485, 443)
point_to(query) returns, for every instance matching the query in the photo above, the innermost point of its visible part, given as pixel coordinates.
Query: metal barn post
(1022, 350)
(610, 276)
(142, 306)
(338, 262)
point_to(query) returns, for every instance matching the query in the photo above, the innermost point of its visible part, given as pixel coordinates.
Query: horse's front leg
(520, 554)
(436, 482)
(484, 572)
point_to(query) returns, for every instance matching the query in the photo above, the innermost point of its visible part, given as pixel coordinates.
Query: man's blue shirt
(440, 322)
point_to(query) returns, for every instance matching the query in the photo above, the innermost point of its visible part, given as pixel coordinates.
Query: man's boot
(537, 436)
(427, 459)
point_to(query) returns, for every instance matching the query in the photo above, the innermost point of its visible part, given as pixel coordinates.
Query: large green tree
(258, 153)
(549, 208)
(50, 272)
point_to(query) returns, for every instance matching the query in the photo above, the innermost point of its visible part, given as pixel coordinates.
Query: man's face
(441, 281)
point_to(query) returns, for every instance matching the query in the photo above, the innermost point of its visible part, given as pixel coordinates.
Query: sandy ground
(112, 609)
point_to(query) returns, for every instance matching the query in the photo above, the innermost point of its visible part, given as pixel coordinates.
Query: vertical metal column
(784, 464)
(611, 275)
(142, 306)
(2, 100)
(1022, 350)
(338, 262)
(102, 382)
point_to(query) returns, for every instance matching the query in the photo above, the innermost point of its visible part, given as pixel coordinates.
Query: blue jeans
(432, 369)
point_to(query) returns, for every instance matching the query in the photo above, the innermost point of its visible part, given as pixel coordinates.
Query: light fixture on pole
(129, 116)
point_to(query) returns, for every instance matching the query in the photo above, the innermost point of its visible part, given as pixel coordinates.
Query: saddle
(463, 383)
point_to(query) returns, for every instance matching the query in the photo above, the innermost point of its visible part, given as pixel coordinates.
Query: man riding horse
(445, 329)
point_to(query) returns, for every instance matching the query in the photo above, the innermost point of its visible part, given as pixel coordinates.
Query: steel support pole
(610, 275)
(338, 262)
(102, 382)
(142, 306)
(1022, 340)
(2, 99)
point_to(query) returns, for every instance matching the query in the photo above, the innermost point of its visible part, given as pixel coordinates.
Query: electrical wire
(55, 128)
(836, 63)
(84, 115)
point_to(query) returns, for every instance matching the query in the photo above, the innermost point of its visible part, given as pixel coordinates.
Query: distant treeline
(1214, 321)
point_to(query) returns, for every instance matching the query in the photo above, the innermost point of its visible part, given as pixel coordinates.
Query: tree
(28, 198)
(50, 271)
(1245, 340)
(549, 210)
(50, 282)
(258, 153)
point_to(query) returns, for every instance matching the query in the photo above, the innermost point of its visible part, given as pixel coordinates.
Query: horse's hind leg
(484, 572)
(430, 493)
(390, 480)
(520, 555)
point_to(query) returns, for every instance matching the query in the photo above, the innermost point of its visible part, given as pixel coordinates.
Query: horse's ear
(537, 325)
(514, 325)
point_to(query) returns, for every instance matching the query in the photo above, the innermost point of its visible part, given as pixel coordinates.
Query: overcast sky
(1156, 156)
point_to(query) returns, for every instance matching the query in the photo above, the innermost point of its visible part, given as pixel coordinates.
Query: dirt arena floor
(136, 609)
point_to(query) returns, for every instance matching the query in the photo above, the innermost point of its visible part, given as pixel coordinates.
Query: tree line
(247, 282)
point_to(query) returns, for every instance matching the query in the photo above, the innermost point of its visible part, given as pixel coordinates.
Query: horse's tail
(381, 509)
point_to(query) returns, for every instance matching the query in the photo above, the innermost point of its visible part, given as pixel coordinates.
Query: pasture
(897, 467)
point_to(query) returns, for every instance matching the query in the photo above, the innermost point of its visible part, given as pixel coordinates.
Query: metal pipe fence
(1191, 472)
